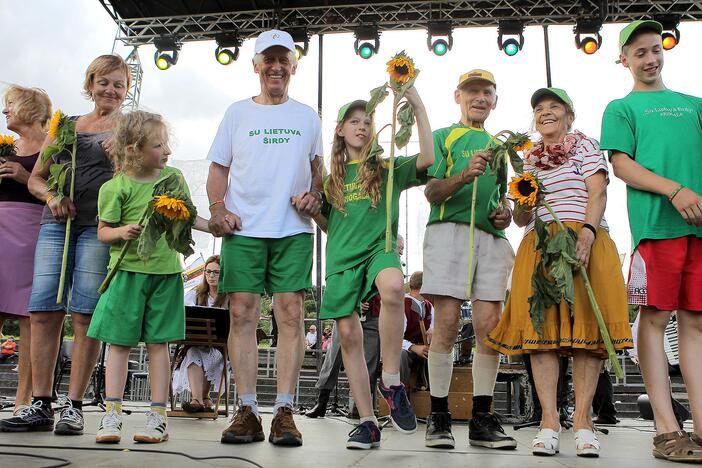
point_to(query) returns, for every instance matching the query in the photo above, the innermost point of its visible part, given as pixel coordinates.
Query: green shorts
(346, 290)
(257, 265)
(140, 307)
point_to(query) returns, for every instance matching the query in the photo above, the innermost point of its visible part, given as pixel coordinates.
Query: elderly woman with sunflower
(572, 172)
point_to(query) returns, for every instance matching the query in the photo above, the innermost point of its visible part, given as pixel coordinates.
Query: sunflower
(401, 68)
(525, 189)
(527, 145)
(7, 140)
(171, 208)
(54, 124)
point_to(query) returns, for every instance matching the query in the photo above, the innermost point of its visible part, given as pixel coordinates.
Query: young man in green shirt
(459, 160)
(655, 142)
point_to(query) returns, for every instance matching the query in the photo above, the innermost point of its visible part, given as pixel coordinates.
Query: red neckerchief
(551, 156)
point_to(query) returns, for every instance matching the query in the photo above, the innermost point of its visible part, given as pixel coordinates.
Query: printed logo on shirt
(352, 192)
(669, 111)
(275, 136)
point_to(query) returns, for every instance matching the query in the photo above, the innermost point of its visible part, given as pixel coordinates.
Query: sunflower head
(54, 124)
(7, 140)
(401, 68)
(171, 208)
(525, 189)
(526, 145)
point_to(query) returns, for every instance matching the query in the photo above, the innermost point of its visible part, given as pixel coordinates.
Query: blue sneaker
(401, 412)
(365, 436)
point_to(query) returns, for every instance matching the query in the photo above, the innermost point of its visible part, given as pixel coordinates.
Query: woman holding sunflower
(358, 265)
(144, 302)
(571, 171)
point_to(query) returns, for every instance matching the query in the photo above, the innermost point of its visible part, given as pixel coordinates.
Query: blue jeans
(86, 268)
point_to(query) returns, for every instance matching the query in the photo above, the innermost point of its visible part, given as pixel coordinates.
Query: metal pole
(318, 231)
(548, 56)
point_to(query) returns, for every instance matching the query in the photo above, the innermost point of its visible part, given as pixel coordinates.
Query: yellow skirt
(515, 333)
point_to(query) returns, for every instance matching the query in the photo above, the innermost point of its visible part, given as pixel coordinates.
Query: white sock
(391, 380)
(440, 370)
(485, 367)
(373, 419)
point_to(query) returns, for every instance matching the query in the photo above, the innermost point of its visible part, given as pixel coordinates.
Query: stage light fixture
(671, 34)
(512, 45)
(224, 53)
(587, 35)
(366, 49)
(444, 42)
(302, 41)
(166, 54)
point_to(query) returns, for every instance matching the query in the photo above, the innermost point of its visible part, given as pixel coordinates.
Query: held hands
(584, 246)
(307, 203)
(14, 170)
(223, 222)
(62, 209)
(130, 231)
(689, 205)
(476, 166)
(501, 217)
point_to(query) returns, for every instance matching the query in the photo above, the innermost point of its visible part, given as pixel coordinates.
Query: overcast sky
(49, 44)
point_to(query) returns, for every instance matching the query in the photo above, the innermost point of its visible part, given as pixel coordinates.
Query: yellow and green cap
(475, 75)
(558, 93)
(358, 103)
(626, 33)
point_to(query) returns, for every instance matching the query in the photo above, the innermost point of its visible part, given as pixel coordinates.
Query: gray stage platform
(627, 445)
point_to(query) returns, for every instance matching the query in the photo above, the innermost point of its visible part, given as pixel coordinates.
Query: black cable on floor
(63, 461)
(123, 449)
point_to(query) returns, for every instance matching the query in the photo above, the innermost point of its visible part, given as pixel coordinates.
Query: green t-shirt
(662, 131)
(122, 201)
(359, 233)
(453, 148)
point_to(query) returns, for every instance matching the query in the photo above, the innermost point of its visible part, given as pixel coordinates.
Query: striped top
(566, 191)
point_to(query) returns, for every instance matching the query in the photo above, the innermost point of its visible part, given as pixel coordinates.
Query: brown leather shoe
(283, 429)
(245, 428)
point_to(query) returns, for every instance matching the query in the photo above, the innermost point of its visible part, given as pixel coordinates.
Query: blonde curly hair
(131, 134)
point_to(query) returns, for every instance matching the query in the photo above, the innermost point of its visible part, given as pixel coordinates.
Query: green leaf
(49, 151)
(402, 90)
(545, 294)
(375, 151)
(377, 95)
(57, 178)
(148, 238)
(516, 161)
(403, 136)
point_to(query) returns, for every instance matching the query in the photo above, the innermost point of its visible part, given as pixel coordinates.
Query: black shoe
(320, 409)
(484, 430)
(365, 436)
(35, 418)
(401, 412)
(70, 421)
(605, 419)
(439, 431)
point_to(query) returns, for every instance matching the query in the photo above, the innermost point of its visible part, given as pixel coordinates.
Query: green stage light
(511, 47)
(366, 50)
(440, 47)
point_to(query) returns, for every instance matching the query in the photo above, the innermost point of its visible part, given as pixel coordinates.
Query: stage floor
(627, 445)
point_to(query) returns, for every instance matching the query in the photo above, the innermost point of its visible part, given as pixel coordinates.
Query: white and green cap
(357, 104)
(626, 33)
(558, 93)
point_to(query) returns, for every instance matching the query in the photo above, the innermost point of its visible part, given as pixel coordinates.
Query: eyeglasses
(212, 272)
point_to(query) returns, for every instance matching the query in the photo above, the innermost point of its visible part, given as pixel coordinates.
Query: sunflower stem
(67, 238)
(391, 178)
(471, 239)
(595, 307)
(111, 274)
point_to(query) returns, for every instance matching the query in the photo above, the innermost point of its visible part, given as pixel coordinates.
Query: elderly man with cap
(264, 184)
(458, 163)
(654, 140)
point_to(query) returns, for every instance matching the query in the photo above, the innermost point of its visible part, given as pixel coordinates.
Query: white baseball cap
(272, 38)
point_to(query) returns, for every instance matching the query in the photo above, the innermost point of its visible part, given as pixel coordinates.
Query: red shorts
(667, 274)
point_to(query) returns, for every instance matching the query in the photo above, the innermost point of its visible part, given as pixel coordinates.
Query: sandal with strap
(550, 439)
(193, 406)
(583, 438)
(208, 407)
(677, 446)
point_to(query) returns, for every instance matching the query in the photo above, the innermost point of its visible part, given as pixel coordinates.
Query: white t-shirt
(311, 338)
(268, 150)
(191, 298)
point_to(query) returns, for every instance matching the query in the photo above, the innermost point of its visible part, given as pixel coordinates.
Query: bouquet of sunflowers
(171, 213)
(7, 147)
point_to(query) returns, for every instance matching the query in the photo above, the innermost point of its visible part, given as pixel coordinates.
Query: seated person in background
(311, 337)
(9, 349)
(326, 336)
(197, 367)
(414, 348)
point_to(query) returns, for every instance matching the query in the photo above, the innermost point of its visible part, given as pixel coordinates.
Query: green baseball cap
(631, 28)
(350, 106)
(558, 93)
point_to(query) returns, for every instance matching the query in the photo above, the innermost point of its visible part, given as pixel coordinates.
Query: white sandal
(585, 437)
(551, 441)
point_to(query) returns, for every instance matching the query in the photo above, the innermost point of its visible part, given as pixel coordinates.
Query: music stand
(205, 326)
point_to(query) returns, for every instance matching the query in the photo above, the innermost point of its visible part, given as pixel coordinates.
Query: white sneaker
(110, 430)
(156, 429)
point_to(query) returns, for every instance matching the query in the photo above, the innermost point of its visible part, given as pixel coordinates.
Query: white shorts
(446, 252)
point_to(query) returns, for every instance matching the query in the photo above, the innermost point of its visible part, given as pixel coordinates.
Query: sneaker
(70, 421)
(156, 429)
(365, 436)
(484, 430)
(401, 411)
(35, 418)
(245, 427)
(110, 430)
(20, 410)
(439, 431)
(283, 429)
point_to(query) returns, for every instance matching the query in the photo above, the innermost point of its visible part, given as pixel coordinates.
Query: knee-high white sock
(440, 370)
(485, 368)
